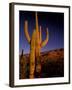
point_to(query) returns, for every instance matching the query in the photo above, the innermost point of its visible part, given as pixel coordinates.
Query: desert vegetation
(52, 64)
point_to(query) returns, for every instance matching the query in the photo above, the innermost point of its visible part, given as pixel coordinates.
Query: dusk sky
(55, 24)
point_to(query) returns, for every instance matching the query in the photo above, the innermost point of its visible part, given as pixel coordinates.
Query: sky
(54, 22)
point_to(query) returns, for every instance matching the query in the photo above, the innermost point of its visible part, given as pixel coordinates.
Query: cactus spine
(36, 44)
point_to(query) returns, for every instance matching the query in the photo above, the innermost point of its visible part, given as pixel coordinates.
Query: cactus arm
(32, 56)
(26, 31)
(36, 22)
(40, 35)
(46, 40)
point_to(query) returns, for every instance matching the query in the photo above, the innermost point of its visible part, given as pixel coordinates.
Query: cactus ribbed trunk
(32, 56)
(37, 49)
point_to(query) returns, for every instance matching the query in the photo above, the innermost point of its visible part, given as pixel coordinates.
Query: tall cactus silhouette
(36, 44)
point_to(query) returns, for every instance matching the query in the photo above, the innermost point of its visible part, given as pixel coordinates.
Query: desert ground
(52, 63)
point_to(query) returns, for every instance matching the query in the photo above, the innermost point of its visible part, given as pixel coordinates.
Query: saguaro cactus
(36, 44)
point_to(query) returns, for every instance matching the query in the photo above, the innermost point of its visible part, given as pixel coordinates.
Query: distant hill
(53, 55)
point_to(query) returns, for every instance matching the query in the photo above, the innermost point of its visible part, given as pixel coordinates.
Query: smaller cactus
(23, 66)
